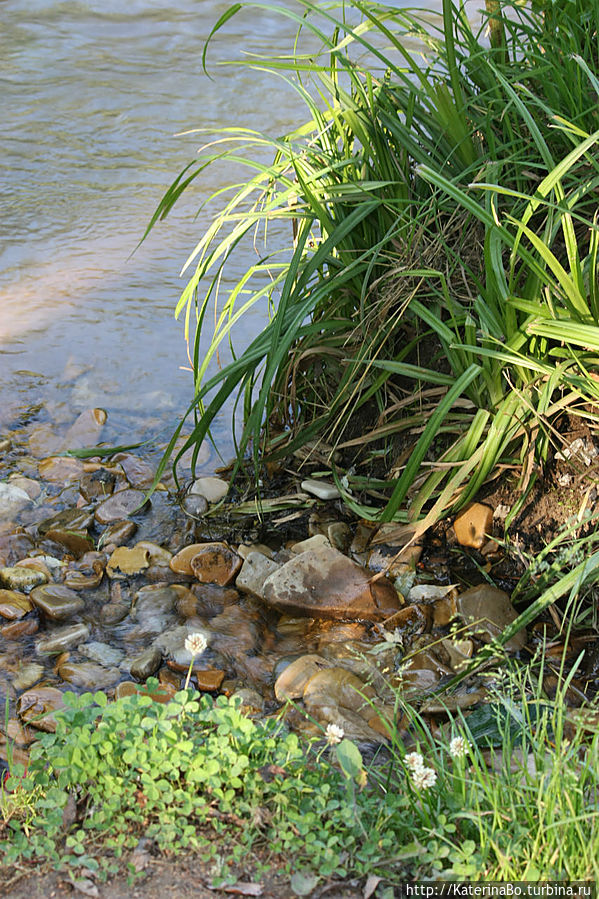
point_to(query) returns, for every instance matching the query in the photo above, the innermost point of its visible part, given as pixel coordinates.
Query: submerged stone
(27, 675)
(146, 664)
(12, 500)
(85, 430)
(62, 638)
(121, 505)
(291, 683)
(102, 653)
(88, 675)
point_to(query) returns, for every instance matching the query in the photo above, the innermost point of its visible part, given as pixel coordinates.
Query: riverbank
(312, 619)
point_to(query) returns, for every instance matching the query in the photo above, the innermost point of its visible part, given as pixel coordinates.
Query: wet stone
(118, 533)
(120, 505)
(138, 472)
(324, 583)
(146, 664)
(181, 562)
(27, 675)
(76, 542)
(97, 485)
(56, 601)
(18, 629)
(163, 693)
(21, 579)
(14, 547)
(36, 707)
(88, 675)
(62, 638)
(153, 608)
(208, 681)
(31, 487)
(489, 611)
(68, 519)
(195, 505)
(13, 605)
(215, 563)
(86, 429)
(125, 561)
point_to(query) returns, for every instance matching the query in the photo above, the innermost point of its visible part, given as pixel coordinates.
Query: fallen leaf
(84, 885)
(372, 882)
(240, 888)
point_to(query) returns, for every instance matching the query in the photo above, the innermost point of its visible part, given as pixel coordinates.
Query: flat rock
(254, 571)
(215, 563)
(126, 561)
(62, 638)
(181, 562)
(315, 542)
(323, 583)
(21, 579)
(97, 485)
(57, 601)
(68, 519)
(120, 505)
(37, 706)
(163, 694)
(118, 533)
(212, 489)
(207, 681)
(321, 489)
(24, 628)
(338, 687)
(490, 611)
(76, 542)
(473, 525)
(14, 605)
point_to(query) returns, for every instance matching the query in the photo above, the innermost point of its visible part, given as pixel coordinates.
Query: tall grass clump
(435, 308)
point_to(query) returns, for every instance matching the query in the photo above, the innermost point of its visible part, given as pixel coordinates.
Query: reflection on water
(92, 96)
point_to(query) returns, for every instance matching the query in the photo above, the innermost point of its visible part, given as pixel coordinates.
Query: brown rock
(215, 563)
(97, 485)
(76, 542)
(323, 583)
(208, 681)
(490, 611)
(181, 562)
(37, 707)
(339, 687)
(19, 629)
(473, 525)
(13, 605)
(163, 693)
(415, 618)
(125, 561)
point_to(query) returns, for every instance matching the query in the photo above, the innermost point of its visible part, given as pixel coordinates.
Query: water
(92, 96)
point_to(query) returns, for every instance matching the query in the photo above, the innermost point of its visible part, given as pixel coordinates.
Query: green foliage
(442, 277)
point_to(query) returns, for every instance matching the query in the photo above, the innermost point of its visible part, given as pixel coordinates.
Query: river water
(92, 97)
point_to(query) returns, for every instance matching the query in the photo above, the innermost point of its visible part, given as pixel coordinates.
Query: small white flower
(414, 761)
(334, 734)
(423, 778)
(196, 644)
(458, 747)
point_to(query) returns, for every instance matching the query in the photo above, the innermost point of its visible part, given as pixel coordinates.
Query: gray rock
(321, 489)
(255, 570)
(88, 675)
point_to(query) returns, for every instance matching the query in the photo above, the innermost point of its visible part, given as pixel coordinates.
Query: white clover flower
(458, 747)
(414, 761)
(423, 778)
(334, 734)
(196, 644)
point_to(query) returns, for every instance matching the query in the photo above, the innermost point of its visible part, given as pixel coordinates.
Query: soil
(181, 877)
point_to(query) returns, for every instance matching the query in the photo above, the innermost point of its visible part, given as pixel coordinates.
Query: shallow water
(93, 94)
